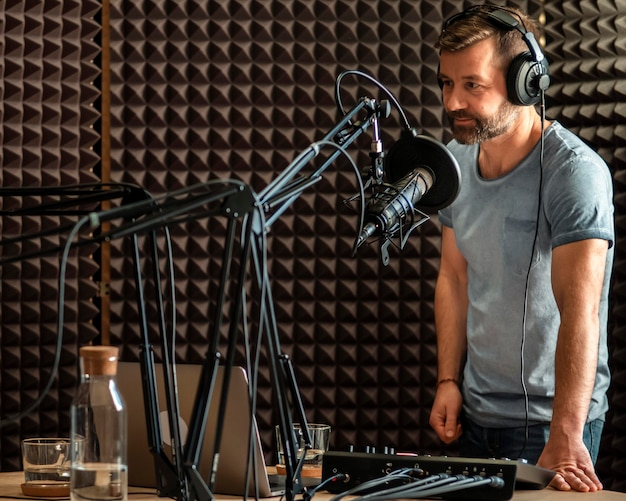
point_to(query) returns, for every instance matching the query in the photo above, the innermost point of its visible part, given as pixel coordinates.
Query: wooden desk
(10, 489)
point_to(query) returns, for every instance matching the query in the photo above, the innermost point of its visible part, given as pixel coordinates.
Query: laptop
(234, 447)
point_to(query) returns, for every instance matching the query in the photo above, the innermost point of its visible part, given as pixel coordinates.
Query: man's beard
(484, 128)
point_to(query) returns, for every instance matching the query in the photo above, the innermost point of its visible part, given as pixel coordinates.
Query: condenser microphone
(395, 204)
(422, 176)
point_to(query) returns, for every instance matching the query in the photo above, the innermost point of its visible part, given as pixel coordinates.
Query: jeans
(511, 443)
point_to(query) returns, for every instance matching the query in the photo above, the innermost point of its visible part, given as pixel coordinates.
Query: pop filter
(412, 151)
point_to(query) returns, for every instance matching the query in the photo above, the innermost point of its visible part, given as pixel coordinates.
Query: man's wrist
(448, 380)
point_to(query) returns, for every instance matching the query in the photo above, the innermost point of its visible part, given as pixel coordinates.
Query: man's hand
(572, 463)
(444, 416)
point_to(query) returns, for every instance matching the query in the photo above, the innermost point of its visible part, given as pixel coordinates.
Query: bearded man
(521, 301)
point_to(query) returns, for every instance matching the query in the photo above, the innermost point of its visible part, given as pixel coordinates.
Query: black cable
(527, 282)
(60, 321)
(389, 94)
(430, 482)
(359, 181)
(435, 489)
(398, 475)
(309, 493)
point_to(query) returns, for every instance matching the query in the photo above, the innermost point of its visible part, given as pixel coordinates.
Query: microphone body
(396, 203)
(422, 176)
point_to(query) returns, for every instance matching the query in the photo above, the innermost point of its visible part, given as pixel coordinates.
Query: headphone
(528, 76)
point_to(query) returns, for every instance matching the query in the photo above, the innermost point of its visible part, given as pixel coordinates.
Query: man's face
(474, 94)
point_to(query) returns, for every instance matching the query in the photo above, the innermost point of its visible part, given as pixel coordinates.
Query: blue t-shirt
(494, 223)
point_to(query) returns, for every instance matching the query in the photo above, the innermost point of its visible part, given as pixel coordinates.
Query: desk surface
(10, 489)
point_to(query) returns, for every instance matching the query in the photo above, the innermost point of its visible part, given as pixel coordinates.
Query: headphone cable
(527, 284)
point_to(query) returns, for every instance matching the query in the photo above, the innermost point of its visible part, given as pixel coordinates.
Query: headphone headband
(498, 16)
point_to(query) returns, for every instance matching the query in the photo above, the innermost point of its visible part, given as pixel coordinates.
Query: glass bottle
(98, 430)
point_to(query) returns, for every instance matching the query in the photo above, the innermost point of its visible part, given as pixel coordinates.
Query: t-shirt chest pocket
(518, 236)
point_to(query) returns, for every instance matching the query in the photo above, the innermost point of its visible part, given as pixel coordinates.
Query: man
(527, 249)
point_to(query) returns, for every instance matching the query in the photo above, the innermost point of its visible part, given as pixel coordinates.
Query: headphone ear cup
(527, 79)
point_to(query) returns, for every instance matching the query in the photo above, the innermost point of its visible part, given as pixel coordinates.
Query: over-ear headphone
(528, 76)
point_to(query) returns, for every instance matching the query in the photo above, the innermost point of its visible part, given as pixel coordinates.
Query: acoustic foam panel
(587, 49)
(48, 60)
(207, 90)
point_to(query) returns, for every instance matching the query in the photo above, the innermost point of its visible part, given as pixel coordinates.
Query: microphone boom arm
(280, 194)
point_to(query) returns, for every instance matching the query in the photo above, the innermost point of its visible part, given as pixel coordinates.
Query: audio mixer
(361, 467)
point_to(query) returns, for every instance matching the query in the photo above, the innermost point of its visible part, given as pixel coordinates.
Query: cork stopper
(99, 360)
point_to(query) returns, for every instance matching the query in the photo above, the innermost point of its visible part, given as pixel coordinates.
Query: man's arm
(577, 278)
(450, 324)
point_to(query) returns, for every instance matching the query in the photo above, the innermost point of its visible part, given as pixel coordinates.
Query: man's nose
(453, 98)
